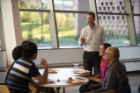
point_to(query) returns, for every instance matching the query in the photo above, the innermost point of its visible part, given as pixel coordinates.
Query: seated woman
(103, 69)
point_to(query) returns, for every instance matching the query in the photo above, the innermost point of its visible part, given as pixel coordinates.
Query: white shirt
(95, 37)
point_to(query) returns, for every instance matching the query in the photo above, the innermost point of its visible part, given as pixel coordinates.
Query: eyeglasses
(107, 53)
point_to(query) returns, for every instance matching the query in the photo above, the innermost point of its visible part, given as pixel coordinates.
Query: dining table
(59, 79)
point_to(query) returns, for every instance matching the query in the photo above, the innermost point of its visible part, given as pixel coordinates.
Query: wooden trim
(112, 13)
(136, 14)
(33, 10)
(67, 11)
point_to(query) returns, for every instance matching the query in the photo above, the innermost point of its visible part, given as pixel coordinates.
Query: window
(120, 3)
(104, 17)
(69, 28)
(122, 8)
(106, 3)
(68, 3)
(118, 17)
(35, 24)
(70, 24)
(136, 13)
(74, 5)
(102, 3)
(113, 18)
(108, 17)
(104, 8)
(111, 7)
(33, 4)
(113, 24)
(111, 3)
(122, 17)
(135, 7)
(108, 8)
(57, 3)
(118, 8)
(113, 36)
(99, 17)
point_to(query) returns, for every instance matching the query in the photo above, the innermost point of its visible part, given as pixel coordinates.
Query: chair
(4, 89)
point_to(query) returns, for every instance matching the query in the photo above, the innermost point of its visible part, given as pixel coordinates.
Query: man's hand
(34, 84)
(82, 40)
(90, 78)
(44, 62)
(91, 86)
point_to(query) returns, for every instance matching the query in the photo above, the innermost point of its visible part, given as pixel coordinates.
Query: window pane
(114, 6)
(69, 26)
(116, 29)
(137, 28)
(32, 4)
(75, 5)
(35, 27)
(136, 6)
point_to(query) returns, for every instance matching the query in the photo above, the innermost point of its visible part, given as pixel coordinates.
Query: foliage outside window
(35, 25)
(68, 28)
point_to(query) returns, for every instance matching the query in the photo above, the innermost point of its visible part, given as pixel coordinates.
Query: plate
(77, 81)
(53, 71)
(50, 81)
(80, 78)
(81, 71)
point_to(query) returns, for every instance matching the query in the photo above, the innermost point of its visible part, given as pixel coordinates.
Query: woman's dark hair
(28, 50)
(24, 42)
(106, 45)
(17, 52)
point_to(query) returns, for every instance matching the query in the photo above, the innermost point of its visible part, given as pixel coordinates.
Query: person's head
(24, 42)
(103, 47)
(112, 54)
(90, 18)
(17, 52)
(29, 51)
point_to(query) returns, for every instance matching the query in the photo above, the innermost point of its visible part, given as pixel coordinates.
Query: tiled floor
(134, 81)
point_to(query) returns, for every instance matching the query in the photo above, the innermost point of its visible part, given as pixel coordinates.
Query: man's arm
(91, 86)
(95, 78)
(43, 78)
(81, 38)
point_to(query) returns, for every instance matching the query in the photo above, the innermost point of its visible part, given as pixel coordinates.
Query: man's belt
(92, 51)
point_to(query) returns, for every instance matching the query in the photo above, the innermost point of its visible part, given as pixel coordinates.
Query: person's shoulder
(120, 65)
(99, 27)
(86, 27)
(22, 60)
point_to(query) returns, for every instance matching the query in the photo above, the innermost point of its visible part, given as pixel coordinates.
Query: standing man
(92, 37)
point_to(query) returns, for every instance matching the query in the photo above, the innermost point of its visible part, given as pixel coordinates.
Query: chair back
(4, 89)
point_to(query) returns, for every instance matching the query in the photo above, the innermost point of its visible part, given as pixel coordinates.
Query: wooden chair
(4, 89)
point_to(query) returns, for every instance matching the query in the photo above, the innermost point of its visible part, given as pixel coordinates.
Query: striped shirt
(20, 75)
(94, 37)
